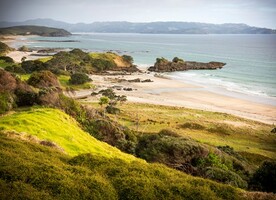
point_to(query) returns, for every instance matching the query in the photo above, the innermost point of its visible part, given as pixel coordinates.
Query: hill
(150, 27)
(34, 30)
(33, 170)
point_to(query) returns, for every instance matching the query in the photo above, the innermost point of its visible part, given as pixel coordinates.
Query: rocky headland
(177, 64)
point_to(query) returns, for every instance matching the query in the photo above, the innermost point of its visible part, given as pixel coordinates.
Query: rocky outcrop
(163, 65)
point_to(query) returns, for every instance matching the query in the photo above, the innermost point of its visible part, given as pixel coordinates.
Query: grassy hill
(34, 30)
(54, 125)
(30, 170)
(250, 138)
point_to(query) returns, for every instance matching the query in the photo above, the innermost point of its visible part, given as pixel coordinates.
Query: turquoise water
(251, 59)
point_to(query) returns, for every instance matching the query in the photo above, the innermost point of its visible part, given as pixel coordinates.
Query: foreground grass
(251, 138)
(54, 125)
(32, 171)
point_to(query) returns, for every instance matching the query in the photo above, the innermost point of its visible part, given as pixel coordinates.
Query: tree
(103, 100)
(127, 59)
(79, 78)
(264, 178)
(176, 60)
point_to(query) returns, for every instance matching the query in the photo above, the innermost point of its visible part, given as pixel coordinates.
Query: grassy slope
(38, 172)
(218, 128)
(112, 57)
(54, 125)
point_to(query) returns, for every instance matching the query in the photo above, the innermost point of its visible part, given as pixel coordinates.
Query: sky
(260, 13)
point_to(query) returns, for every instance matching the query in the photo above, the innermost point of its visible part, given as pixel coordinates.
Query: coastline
(167, 91)
(12, 41)
(170, 92)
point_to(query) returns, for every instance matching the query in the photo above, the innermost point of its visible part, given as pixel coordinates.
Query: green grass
(64, 81)
(54, 125)
(45, 59)
(33, 171)
(216, 129)
(4, 64)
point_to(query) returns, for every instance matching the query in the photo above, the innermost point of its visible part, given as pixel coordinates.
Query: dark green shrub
(264, 178)
(33, 65)
(176, 60)
(225, 176)
(192, 125)
(103, 64)
(112, 110)
(128, 59)
(79, 78)
(26, 98)
(15, 69)
(7, 59)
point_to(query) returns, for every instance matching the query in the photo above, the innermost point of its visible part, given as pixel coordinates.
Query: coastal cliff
(177, 64)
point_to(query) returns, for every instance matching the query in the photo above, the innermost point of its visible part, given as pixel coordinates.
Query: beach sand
(163, 91)
(12, 40)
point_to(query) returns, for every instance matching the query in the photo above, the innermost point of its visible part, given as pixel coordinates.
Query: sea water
(250, 70)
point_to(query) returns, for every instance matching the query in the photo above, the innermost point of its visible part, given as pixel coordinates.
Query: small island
(177, 64)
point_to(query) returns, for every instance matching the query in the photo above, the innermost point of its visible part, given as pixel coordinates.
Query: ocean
(250, 72)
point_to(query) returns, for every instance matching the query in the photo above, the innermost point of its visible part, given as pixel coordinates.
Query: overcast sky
(260, 13)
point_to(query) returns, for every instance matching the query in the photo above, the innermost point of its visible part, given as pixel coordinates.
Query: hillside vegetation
(33, 171)
(34, 30)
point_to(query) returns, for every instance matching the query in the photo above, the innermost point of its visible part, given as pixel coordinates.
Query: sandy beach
(12, 40)
(164, 91)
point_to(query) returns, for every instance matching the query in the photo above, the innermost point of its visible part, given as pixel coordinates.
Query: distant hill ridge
(34, 30)
(149, 27)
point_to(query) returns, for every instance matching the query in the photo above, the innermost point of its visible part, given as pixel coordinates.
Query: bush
(43, 79)
(264, 178)
(15, 69)
(6, 102)
(26, 98)
(225, 176)
(127, 59)
(79, 78)
(7, 59)
(112, 110)
(176, 60)
(33, 65)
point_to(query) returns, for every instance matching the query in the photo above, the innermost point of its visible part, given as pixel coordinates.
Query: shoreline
(169, 92)
(12, 41)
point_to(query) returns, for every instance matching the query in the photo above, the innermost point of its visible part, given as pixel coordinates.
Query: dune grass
(54, 125)
(216, 129)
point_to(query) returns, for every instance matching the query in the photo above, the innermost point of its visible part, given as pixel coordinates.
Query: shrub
(225, 176)
(79, 78)
(112, 110)
(192, 125)
(15, 69)
(176, 60)
(23, 48)
(128, 59)
(26, 98)
(43, 79)
(7, 59)
(6, 102)
(33, 65)
(264, 178)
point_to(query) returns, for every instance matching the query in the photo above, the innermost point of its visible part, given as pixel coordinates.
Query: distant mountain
(152, 27)
(34, 30)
